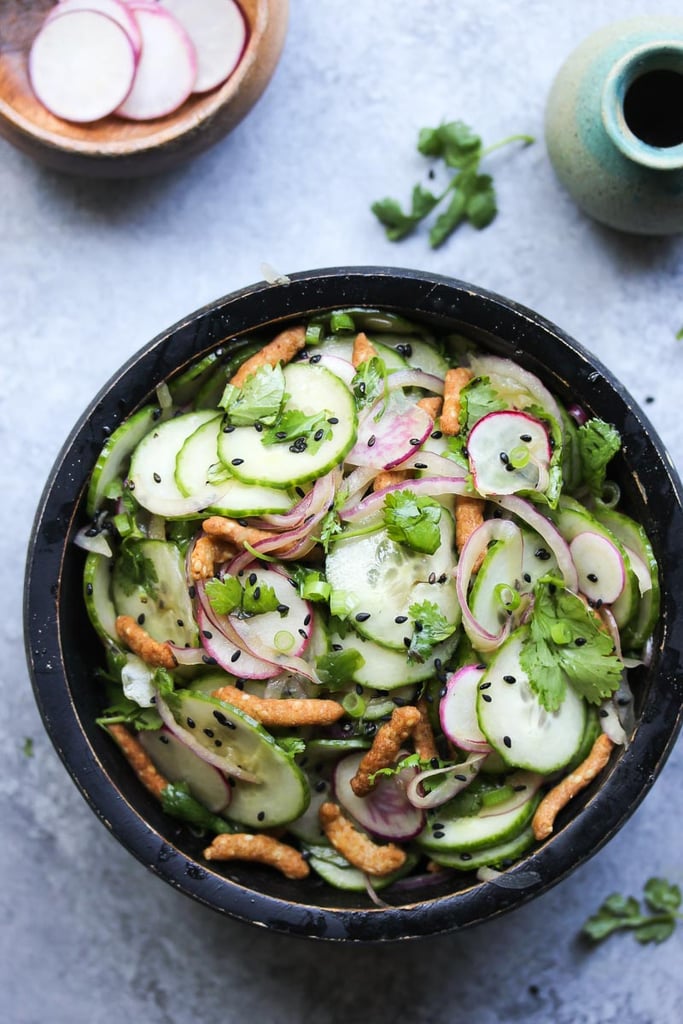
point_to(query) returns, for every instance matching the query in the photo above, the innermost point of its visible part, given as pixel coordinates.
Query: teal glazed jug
(614, 125)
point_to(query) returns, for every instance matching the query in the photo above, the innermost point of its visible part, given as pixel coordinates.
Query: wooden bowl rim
(204, 106)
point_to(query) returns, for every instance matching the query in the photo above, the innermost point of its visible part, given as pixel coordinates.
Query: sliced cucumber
(498, 855)
(415, 351)
(312, 389)
(282, 792)
(152, 469)
(198, 471)
(178, 763)
(336, 870)
(387, 669)
(342, 345)
(112, 461)
(514, 722)
(97, 574)
(450, 833)
(163, 606)
(537, 560)
(379, 580)
(186, 385)
(501, 568)
(634, 538)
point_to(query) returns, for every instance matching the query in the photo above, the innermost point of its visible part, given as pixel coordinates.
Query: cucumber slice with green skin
(342, 345)
(447, 833)
(514, 722)
(312, 389)
(379, 580)
(178, 763)
(281, 793)
(307, 826)
(198, 470)
(646, 612)
(213, 385)
(336, 870)
(185, 387)
(387, 669)
(501, 568)
(97, 574)
(323, 750)
(499, 855)
(152, 468)
(112, 461)
(571, 519)
(166, 609)
(537, 560)
(414, 351)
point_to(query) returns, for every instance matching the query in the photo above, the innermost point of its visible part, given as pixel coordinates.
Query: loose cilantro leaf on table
(598, 443)
(430, 628)
(472, 195)
(227, 595)
(566, 644)
(413, 520)
(298, 428)
(259, 400)
(655, 923)
(679, 335)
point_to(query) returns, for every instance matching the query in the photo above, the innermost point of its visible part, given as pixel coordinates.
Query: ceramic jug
(614, 125)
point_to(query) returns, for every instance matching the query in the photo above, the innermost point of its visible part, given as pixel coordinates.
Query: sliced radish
(117, 10)
(340, 367)
(218, 30)
(82, 65)
(386, 811)
(458, 710)
(227, 654)
(641, 569)
(602, 574)
(509, 452)
(390, 432)
(167, 68)
(174, 759)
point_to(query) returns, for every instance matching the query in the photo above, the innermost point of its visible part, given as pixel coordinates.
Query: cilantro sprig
(259, 400)
(566, 645)
(653, 923)
(413, 520)
(470, 194)
(599, 442)
(228, 595)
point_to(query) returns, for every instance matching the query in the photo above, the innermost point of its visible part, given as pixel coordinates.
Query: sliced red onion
(529, 514)
(578, 414)
(225, 651)
(389, 432)
(223, 762)
(386, 810)
(188, 655)
(415, 379)
(460, 777)
(341, 368)
(430, 486)
(92, 539)
(320, 496)
(356, 484)
(474, 548)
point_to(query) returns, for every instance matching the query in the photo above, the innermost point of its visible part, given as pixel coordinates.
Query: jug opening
(653, 108)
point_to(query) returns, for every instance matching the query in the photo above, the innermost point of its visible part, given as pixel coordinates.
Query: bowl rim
(257, 306)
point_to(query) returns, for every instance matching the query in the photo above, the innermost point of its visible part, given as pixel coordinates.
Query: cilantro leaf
(177, 801)
(330, 526)
(133, 570)
(477, 399)
(565, 644)
(292, 745)
(598, 443)
(259, 400)
(430, 628)
(224, 595)
(619, 912)
(369, 382)
(397, 224)
(454, 142)
(446, 223)
(302, 431)
(481, 207)
(413, 520)
(336, 668)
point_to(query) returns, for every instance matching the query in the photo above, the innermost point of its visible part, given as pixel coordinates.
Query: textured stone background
(89, 272)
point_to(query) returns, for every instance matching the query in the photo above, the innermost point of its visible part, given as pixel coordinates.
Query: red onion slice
(474, 548)
(529, 514)
(430, 486)
(460, 777)
(415, 379)
(511, 375)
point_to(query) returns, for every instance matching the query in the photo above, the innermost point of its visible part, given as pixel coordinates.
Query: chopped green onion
(284, 640)
(560, 633)
(519, 457)
(315, 589)
(342, 603)
(354, 704)
(507, 596)
(341, 322)
(124, 524)
(314, 334)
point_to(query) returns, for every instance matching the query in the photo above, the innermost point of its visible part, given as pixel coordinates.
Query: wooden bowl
(113, 147)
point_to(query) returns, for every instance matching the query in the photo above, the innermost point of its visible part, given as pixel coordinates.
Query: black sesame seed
(209, 733)
(257, 593)
(208, 660)
(592, 577)
(319, 434)
(236, 462)
(298, 446)
(436, 434)
(141, 619)
(406, 641)
(580, 641)
(157, 478)
(218, 743)
(220, 717)
(307, 620)
(603, 712)
(337, 647)
(282, 609)
(179, 622)
(432, 577)
(281, 434)
(526, 577)
(333, 420)
(191, 724)
(400, 619)
(261, 815)
(420, 465)
(258, 427)
(405, 349)
(320, 786)
(438, 833)
(507, 741)
(525, 437)
(542, 554)
(163, 738)
(192, 593)
(228, 430)
(371, 440)
(415, 441)
(623, 701)
(484, 686)
(443, 577)
(362, 616)
(316, 358)
(252, 579)
(520, 788)
(465, 856)
(487, 697)
(235, 655)
(302, 632)
(300, 491)
(460, 778)
(207, 633)
(359, 689)
(230, 725)
(89, 589)
(509, 468)
(509, 679)
(504, 458)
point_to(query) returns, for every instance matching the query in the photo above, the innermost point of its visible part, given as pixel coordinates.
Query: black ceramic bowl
(63, 650)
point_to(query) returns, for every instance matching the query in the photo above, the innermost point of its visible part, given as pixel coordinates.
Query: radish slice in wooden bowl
(218, 31)
(167, 68)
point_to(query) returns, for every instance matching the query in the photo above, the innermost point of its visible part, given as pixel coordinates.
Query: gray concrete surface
(89, 272)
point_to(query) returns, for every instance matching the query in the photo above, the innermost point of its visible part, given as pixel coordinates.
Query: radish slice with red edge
(219, 33)
(178, 763)
(389, 432)
(82, 65)
(602, 574)
(457, 778)
(509, 452)
(458, 710)
(227, 654)
(117, 10)
(386, 811)
(167, 68)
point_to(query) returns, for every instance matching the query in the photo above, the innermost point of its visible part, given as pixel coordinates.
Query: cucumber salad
(302, 535)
